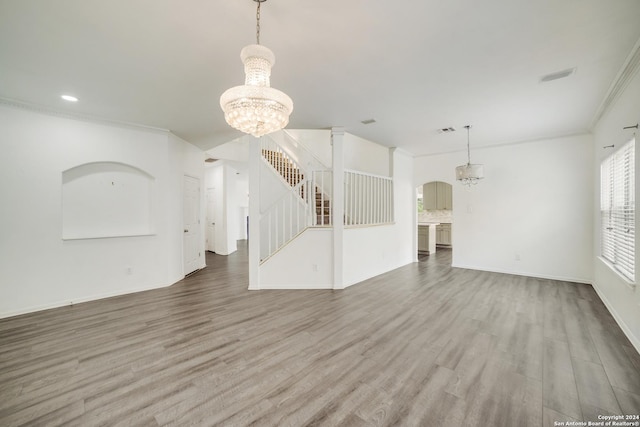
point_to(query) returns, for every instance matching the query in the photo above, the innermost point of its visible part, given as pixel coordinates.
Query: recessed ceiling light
(557, 75)
(69, 98)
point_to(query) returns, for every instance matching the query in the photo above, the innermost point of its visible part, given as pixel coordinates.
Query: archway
(434, 201)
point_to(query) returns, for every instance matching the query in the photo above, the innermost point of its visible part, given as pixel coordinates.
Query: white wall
(231, 208)
(183, 159)
(534, 204)
(359, 154)
(622, 299)
(236, 150)
(223, 177)
(242, 198)
(370, 251)
(305, 263)
(38, 269)
(365, 156)
(316, 141)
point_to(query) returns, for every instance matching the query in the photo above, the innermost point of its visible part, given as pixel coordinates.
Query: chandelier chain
(258, 23)
(468, 147)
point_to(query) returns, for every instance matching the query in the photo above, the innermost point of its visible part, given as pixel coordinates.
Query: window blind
(617, 205)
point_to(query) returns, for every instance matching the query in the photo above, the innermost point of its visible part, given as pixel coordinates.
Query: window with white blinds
(617, 205)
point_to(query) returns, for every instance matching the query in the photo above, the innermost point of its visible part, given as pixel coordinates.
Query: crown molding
(14, 103)
(624, 76)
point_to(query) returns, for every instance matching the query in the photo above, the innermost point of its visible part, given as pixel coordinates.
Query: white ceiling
(415, 65)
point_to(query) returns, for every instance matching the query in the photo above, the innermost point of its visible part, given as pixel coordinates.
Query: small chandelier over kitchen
(469, 174)
(256, 108)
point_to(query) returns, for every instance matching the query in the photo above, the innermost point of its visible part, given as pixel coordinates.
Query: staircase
(303, 197)
(293, 176)
(284, 166)
(323, 209)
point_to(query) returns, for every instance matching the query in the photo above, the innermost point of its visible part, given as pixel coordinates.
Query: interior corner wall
(232, 207)
(39, 270)
(184, 159)
(532, 213)
(242, 200)
(370, 251)
(622, 300)
(222, 177)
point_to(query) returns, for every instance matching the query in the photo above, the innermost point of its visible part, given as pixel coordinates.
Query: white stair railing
(308, 199)
(368, 199)
(305, 203)
(322, 185)
(298, 151)
(284, 164)
(284, 220)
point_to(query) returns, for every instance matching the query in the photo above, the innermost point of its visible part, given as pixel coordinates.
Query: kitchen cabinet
(423, 238)
(437, 195)
(443, 234)
(427, 237)
(429, 192)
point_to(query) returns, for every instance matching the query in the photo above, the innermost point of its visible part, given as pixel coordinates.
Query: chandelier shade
(255, 107)
(469, 174)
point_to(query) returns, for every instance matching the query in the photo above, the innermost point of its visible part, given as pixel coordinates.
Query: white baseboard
(627, 331)
(526, 274)
(67, 303)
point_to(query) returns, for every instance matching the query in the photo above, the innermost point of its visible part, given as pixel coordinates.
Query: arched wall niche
(107, 199)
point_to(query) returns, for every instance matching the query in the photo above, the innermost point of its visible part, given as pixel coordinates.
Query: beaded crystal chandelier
(469, 174)
(256, 108)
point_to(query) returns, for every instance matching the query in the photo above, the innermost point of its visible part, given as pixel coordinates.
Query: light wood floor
(424, 345)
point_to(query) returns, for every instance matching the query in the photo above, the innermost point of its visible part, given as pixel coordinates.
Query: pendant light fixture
(469, 174)
(255, 107)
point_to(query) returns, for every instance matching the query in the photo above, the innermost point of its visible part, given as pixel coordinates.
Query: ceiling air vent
(447, 130)
(557, 75)
(368, 121)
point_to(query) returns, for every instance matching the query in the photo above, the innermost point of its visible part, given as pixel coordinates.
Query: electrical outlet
(129, 271)
(517, 257)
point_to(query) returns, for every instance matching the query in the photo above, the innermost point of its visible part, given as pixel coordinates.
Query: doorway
(211, 219)
(191, 221)
(435, 217)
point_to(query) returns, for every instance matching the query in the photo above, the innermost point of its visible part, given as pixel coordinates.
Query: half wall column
(337, 213)
(254, 212)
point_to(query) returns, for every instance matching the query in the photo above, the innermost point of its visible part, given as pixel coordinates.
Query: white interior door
(191, 215)
(211, 220)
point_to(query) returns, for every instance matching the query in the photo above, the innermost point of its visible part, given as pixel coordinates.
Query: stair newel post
(255, 160)
(337, 211)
